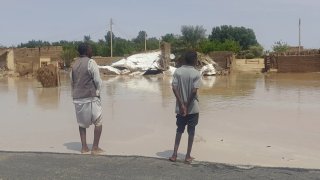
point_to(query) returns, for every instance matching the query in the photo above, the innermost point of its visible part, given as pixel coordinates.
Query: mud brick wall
(52, 52)
(26, 55)
(103, 61)
(222, 58)
(26, 60)
(299, 63)
(165, 55)
(3, 58)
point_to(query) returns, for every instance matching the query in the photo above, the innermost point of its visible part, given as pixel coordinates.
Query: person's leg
(192, 122)
(176, 146)
(181, 123)
(97, 134)
(83, 138)
(190, 143)
(97, 116)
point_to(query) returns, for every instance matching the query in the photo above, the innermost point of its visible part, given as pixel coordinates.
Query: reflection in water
(208, 81)
(4, 88)
(47, 98)
(29, 90)
(234, 85)
(23, 87)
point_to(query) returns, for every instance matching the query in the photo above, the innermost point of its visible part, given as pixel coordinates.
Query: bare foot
(173, 158)
(189, 160)
(96, 151)
(85, 150)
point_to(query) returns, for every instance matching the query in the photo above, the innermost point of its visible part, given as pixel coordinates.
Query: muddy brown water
(247, 119)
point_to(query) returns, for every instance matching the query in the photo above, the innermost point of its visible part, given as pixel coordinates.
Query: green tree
(207, 46)
(68, 54)
(280, 47)
(169, 38)
(102, 48)
(153, 43)
(87, 39)
(193, 35)
(108, 38)
(34, 43)
(245, 36)
(139, 41)
(122, 47)
(256, 50)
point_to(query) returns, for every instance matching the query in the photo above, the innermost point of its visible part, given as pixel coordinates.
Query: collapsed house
(157, 62)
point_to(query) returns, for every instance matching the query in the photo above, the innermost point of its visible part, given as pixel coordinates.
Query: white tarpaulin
(139, 62)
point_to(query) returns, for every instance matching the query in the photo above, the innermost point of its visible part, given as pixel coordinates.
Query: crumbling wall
(52, 52)
(26, 60)
(10, 60)
(164, 62)
(222, 58)
(309, 63)
(3, 59)
(106, 61)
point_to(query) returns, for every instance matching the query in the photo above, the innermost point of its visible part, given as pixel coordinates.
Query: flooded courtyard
(245, 119)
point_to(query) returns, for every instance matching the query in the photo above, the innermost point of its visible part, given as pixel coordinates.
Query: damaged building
(28, 60)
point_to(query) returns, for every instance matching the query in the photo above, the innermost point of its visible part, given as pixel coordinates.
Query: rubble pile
(206, 65)
(150, 63)
(48, 76)
(137, 64)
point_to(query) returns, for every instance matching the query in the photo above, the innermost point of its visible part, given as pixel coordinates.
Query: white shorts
(89, 113)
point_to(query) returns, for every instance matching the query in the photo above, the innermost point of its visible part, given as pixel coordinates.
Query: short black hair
(82, 49)
(191, 57)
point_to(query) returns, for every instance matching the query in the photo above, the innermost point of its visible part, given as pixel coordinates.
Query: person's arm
(94, 71)
(71, 80)
(182, 107)
(192, 96)
(196, 86)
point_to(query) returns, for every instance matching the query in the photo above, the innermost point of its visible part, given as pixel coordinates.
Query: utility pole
(145, 41)
(111, 36)
(299, 36)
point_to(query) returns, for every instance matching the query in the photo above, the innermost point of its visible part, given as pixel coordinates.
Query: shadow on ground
(75, 146)
(168, 153)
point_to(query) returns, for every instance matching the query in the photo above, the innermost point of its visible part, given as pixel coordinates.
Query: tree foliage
(224, 38)
(193, 35)
(256, 50)
(280, 47)
(245, 36)
(34, 43)
(68, 54)
(228, 45)
(169, 38)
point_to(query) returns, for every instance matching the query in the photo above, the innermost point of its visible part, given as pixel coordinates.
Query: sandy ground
(248, 119)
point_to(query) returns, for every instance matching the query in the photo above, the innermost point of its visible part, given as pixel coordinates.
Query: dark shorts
(191, 120)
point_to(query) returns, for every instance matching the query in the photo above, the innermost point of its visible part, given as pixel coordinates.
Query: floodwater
(245, 119)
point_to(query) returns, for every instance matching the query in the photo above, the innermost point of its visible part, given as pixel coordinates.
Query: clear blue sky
(54, 20)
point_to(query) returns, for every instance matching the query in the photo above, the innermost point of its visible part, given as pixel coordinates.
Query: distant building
(295, 49)
(29, 60)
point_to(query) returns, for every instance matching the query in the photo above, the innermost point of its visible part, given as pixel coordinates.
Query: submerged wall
(309, 63)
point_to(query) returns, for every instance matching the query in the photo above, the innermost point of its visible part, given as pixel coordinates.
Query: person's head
(89, 51)
(191, 58)
(82, 49)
